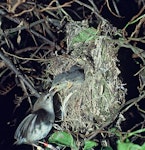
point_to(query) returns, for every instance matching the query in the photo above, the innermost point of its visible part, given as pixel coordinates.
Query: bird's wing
(34, 127)
(24, 127)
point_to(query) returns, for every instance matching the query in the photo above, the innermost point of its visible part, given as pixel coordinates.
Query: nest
(88, 105)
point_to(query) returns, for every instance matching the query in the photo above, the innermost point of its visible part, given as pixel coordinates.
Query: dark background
(9, 119)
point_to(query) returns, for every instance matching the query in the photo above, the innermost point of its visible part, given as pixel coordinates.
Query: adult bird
(38, 124)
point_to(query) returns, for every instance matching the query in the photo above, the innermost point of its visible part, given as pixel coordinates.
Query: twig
(115, 7)
(26, 26)
(14, 69)
(135, 18)
(14, 4)
(25, 90)
(132, 102)
(91, 8)
(108, 5)
(137, 28)
(16, 20)
(49, 7)
(33, 48)
(24, 58)
(139, 13)
(23, 12)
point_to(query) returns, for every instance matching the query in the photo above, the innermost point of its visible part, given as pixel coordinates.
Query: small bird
(38, 124)
(68, 82)
(71, 77)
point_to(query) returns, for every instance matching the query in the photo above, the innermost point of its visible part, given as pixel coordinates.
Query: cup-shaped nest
(88, 105)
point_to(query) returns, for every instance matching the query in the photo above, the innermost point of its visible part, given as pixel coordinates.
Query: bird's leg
(38, 147)
(47, 145)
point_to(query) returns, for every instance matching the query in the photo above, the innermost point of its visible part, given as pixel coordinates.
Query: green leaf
(89, 144)
(107, 148)
(63, 139)
(143, 147)
(85, 35)
(128, 146)
(115, 131)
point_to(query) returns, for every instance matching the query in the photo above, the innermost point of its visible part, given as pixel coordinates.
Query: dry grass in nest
(90, 104)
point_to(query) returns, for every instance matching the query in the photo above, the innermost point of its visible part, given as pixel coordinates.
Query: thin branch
(24, 58)
(14, 69)
(16, 20)
(108, 5)
(91, 8)
(49, 7)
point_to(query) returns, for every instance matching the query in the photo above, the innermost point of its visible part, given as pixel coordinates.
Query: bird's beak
(52, 89)
(57, 88)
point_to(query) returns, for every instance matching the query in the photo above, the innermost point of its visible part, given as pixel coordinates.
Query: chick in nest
(68, 81)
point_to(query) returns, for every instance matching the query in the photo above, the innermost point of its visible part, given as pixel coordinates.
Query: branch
(14, 69)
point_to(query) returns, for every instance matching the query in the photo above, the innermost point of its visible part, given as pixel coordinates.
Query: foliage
(85, 36)
(89, 144)
(129, 146)
(65, 139)
(125, 144)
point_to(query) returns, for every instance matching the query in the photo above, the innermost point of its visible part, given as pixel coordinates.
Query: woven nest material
(97, 100)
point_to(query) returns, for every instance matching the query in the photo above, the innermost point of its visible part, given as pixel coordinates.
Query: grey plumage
(38, 124)
(74, 75)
